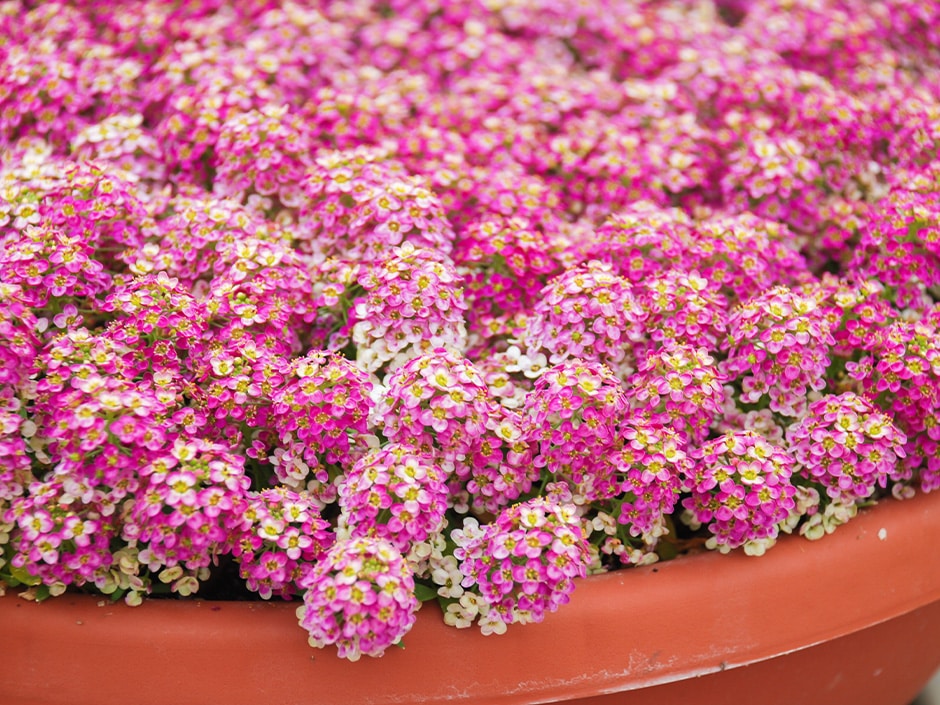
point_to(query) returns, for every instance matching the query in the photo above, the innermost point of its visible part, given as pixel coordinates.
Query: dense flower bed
(376, 302)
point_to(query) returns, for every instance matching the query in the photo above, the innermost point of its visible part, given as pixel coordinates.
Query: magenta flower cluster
(741, 487)
(848, 446)
(367, 304)
(524, 562)
(359, 597)
(396, 494)
(283, 536)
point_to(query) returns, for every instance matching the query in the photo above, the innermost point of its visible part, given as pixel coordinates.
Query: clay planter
(852, 618)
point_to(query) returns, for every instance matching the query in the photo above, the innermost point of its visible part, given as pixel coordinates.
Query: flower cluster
(196, 88)
(189, 510)
(503, 466)
(411, 307)
(846, 445)
(903, 373)
(362, 206)
(741, 486)
(59, 541)
(122, 141)
(900, 244)
(523, 563)
(778, 346)
(53, 269)
(156, 317)
(745, 255)
(59, 77)
(771, 176)
(653, 468)
(588, 313)
(684, 308)
(320, 411)
(283, 537)
(101, 429)
(575, 410)
(508, 261)
(19, 341)
(396, 494)
(437, 403)
(360, 596)
(679, 387)
(261, 157)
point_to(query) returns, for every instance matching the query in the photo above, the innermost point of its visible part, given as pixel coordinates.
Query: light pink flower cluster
(99, 205)
(395, 493)
(859, 313)
(320, 414)
(638, 242)
(502, 465)
(52, 269)
(678, 387)
(333, 181)
(588, 313)
(413, 305)
(15, 464)
(189, 509)
(778, 346)
(745, 255)
(523, 563)
(263, 295)
(360, 596)
(122, 141)
(159, 319)
(261, 157)
(361, 205)
(904, 374)
(741, 489)
(653, 468)
(846, 445)
(683, 308)
(771, 176)
(201, 239)
(196, 87)
(575, 411)
(282, 538)
(19, 341)
(738, 254)
(900, 244)
(102, 429)
(508, 260)
(437, 403)
(234, 381)
(59, 541)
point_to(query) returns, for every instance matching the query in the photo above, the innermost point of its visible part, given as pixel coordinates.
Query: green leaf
(23, 576)
(425, 593)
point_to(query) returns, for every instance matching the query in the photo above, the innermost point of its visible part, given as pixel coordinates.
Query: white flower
(490, 622)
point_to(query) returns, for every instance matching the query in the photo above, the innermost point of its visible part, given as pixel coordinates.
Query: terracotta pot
(852, 618)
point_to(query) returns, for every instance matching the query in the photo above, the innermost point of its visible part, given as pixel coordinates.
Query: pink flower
(282, 538)
(522, 570)
(359, 597)
(835, 447)
(741, 488)
(397, 493)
